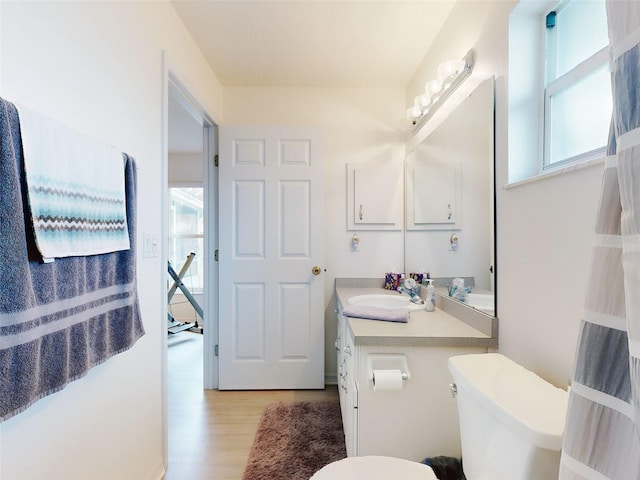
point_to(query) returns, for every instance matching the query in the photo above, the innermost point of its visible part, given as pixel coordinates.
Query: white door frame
(172, 80)
(210, 182)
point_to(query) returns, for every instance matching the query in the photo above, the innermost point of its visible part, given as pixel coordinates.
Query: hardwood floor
(211, 432)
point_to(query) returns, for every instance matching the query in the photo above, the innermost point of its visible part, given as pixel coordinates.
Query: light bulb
(422, 101)
(433, 89)
(413, 113)
(449, 70)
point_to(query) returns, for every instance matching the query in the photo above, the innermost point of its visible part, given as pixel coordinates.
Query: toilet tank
(511, 420)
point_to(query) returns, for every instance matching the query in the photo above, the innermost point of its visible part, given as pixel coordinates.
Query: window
(577, 93)
(186, 234)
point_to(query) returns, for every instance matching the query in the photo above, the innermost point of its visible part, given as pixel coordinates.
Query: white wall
(359, 125)
(544, 228)
(544, 252)
(185, 169)
(97, 67)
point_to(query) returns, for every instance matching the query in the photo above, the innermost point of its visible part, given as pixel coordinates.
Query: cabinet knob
(316, 270)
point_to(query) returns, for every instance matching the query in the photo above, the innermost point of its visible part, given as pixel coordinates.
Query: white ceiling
(313, 43)
(305, 43)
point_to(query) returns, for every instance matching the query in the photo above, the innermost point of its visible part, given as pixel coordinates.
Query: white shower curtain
(602, 432)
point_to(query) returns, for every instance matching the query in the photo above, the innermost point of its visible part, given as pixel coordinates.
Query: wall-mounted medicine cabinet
(433, 196)
(375, 197)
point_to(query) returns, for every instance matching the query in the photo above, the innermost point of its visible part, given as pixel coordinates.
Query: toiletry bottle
(431, 297)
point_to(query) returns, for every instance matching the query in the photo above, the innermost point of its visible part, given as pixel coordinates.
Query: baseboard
(331, 379)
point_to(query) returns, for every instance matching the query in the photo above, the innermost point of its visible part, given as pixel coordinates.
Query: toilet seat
(375, 468)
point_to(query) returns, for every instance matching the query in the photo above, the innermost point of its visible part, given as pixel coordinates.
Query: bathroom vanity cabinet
(419, 420)
(347, 385)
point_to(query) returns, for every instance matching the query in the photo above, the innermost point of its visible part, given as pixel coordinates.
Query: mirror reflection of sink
(384, 301)
(481, 301)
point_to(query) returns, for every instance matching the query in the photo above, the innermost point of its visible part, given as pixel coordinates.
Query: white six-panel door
(271, 238)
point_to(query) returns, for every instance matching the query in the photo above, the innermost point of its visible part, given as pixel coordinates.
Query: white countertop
(424, 328)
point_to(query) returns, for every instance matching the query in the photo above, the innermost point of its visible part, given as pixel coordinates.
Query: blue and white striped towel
(75, 189)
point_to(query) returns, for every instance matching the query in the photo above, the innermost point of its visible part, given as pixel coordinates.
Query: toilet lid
(374, 468)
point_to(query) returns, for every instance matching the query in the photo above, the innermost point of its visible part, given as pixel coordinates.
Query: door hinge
(215, 160)
(216, 350)
(215, 256)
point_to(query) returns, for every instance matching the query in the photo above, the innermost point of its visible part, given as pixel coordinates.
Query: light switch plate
(150, 245)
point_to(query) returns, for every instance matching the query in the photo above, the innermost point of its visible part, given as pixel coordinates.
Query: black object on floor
(446, 468)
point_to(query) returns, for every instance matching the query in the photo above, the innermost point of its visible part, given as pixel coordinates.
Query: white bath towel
(75, 190)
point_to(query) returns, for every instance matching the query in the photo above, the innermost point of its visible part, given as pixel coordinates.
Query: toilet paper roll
(387, 380)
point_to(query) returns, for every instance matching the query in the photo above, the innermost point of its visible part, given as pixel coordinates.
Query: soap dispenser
(431, 297)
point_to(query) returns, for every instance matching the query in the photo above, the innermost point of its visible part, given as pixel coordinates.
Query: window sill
(556, 172)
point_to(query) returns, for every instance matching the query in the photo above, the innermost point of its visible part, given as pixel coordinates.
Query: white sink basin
(394, 300)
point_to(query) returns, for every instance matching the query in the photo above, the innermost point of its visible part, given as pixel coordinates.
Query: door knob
(316, 270)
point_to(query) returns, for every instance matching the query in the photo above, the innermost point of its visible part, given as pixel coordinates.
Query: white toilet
(511, 424)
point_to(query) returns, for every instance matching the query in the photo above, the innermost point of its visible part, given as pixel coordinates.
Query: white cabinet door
(347, 386)
(351, 422)
(375, 197)
(433, 195)
(436, 194)
(271, 238)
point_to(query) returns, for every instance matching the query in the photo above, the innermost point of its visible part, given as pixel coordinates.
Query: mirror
(449, 202)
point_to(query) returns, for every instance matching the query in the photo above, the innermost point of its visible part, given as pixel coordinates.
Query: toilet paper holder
(387, 361)
(404, 375)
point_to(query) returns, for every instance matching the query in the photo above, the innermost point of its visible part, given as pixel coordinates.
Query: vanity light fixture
(451, 74)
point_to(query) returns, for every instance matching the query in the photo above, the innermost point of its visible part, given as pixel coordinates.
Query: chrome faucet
(411, 288)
